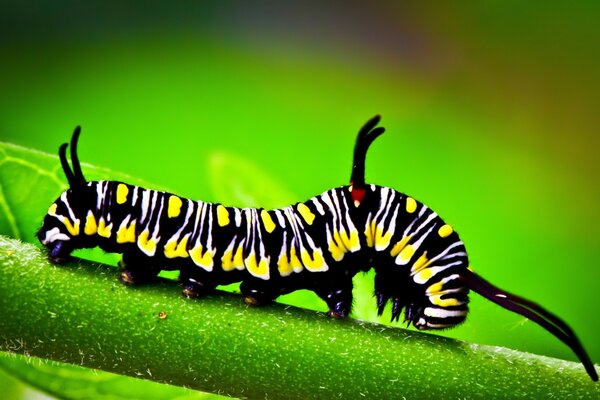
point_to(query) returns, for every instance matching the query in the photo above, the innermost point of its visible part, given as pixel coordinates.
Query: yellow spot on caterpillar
(232, 260)
(222, 216)
(174, 208)
(316, 263)
(411, 205)
(382, 241)
(422, 262)
(52, 209)
(238, 258)
(308, 216)
(295, 261)
(91, 226)
(336, 251)
(338, 239)
(126, 234)
(267, 221)
(283, 265)
(423, 276)
(350, 241)
(227, 261)
(103, 229)
(145, 244)
(438, 301)
(405, 254)
(73, 228)
(398, 247)
(202, 259)
(445, 231)
(174, 249)
(338, 246)
(122, 192)
(434, 289)
(259, 269)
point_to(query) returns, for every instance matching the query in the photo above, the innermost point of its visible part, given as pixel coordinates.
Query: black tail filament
(535, 313)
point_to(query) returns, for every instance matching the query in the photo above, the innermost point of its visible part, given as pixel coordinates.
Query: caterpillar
(421, 265)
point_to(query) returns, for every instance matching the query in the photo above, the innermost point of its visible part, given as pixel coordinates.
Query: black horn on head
(74, 176)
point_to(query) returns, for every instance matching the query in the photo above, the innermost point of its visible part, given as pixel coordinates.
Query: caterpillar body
(421, 265)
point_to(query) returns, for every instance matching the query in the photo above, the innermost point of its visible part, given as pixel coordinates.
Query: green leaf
(67, 381)
(12, 388)
(80, 314)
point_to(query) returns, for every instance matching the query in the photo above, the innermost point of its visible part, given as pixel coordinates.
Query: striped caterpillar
(420, 263)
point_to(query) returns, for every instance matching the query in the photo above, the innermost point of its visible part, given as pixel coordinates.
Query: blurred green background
(491, 110)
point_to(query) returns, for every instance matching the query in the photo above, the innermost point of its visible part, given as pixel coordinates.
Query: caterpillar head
(61, 231)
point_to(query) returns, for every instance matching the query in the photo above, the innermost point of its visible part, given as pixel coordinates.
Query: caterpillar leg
(195, 286)
(255, 294)
(338, 297)
(388, 287)
(136, 269)
(383, 292)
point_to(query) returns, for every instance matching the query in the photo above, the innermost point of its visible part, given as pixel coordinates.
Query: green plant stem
(79, 313)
